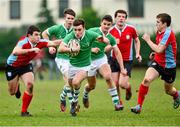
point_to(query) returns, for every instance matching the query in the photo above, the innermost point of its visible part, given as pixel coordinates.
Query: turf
(157, 109)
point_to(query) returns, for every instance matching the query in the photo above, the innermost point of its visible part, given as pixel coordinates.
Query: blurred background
(17, 15)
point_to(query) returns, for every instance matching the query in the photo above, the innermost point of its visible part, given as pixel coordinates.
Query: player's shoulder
(113, 28)
(94, 29)
(130, 26)
(23, 40)
(57, 26)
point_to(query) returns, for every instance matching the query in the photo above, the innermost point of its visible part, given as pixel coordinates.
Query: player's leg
(169, 76)
(76, 83)
(150, 75)
(124, 80)
(105, 71)
(13, 85)
(76, 75)
(88, 87)
(115, 75)
(13, 79)
(28, 79)
(62, 65)
(91, 79)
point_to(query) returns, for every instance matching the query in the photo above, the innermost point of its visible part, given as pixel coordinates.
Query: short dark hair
(120, 11)
(108, 18)
(31, 30)
(69, 11)
(165, 18)
(78, 22)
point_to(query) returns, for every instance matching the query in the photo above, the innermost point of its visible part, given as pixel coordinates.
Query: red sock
(26, 99)
(142, 93)
(175, 95)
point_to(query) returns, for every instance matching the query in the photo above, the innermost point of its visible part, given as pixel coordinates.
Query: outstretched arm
(19, 51)
(157, 48)
(45, 35)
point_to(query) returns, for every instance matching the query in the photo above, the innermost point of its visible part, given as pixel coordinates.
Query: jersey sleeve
(165, 37)
(112, 40)
(52, 30)
(43, 43)
(134, 32)
(94, 35)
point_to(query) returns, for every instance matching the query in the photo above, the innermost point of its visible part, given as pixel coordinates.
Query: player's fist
(52, 50)
(151, 56)
(36, 50)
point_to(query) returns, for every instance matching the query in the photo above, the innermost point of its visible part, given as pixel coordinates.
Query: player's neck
(120, 27)
(67, 26)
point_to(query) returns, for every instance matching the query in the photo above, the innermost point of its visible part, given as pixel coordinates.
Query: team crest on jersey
(127, 37)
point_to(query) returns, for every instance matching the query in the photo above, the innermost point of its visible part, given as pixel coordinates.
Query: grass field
(157, 110)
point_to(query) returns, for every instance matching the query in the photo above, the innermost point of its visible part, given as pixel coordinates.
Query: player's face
(105, 26)
(79, 31)
(69, 19)
(34, 38)
(120, 19)
(159, 25)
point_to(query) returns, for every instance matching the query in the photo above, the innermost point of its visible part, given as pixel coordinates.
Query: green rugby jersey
(59, 31)
(84, 57)
(101, 46)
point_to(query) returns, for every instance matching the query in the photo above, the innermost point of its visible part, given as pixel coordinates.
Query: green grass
(157, 109)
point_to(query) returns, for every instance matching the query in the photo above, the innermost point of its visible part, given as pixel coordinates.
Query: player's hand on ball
(74, 47)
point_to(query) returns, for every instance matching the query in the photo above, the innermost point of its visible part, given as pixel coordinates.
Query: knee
(123, 85)
(75, 83)
(107, 77)
(147, 80)
(11, 91)
(30, 87)
(92, 87)
(169, 91)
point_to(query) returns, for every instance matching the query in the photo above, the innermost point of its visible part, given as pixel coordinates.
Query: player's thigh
(12, 84)
(28, 78)
(150, 75)
(105, 71)
(79, 77)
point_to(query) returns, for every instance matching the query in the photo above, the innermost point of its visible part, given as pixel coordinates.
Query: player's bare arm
(45, 35)
(103, 39)
(19, 51)
(54, 43)
(63, 48)
(157, 48)
(119, 59)
(95, 50)
(137, 49)
(108, 48)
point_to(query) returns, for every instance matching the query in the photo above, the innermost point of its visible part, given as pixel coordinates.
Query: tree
(91, 17)
(45, 18)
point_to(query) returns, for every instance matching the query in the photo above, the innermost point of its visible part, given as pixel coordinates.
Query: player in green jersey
(79, 64)
(62, 59)
(100, 64)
